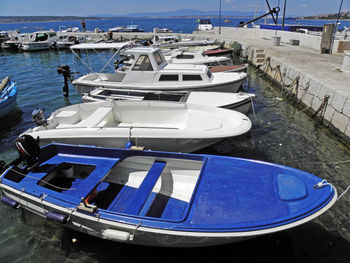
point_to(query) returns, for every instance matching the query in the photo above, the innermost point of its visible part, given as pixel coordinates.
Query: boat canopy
(100, 45)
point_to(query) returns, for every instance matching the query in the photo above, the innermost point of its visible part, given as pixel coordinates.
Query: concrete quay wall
(319, 75)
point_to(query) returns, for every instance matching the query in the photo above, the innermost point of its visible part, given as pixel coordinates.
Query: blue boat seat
(131, 200)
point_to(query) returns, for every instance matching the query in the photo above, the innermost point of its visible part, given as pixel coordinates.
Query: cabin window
(184, 56)
(169, 78)
(143, 63)
(209, 74)
(191, 77)
(41, 37)
(158, 58)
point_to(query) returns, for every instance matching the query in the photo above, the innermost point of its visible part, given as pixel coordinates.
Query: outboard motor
(28, 149)
(38, 117)
(65, 71)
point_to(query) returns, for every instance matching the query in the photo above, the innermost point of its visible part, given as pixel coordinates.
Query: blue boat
(8, 95)
(161, 198)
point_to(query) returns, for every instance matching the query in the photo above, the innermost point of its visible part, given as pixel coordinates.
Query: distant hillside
(13, 19)
(343, 15)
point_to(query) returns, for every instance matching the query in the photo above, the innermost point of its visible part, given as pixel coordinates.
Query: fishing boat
(40, 40)
(241, 102)
(8, 95)
(197, 58)
(161, 198)
(156, 125)
(150, 71)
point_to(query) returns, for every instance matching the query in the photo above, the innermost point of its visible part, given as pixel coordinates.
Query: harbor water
(281, 133)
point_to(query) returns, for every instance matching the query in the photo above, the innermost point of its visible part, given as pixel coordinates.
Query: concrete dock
(321, 81)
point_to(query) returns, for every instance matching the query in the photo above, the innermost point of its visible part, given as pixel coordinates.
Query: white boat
(165, 30)
(133, 28)
(156, 125)
(241, 102)
(150, 71)
(65, 41)
(41, 40)
(117, 29)
(198, 58)
(184, 43)
(14, 41)
(204, 25)
(4, 36)
(67, 29)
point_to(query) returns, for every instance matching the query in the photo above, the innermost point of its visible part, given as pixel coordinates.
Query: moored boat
(156, 125)
(196, 58)
(204, 25)
(8, 95)
(218, 52)
(241, 102)
(150, 71)
(41, 40)
(160, 198)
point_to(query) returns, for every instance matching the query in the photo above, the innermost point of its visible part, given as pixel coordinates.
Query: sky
(118, 7)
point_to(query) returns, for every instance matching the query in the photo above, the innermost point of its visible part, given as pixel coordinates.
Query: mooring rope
(293, 87)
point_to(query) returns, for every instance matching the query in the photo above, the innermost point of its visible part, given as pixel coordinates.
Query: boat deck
(175, 191)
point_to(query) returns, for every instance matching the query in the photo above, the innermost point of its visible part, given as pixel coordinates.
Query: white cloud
(303, 5)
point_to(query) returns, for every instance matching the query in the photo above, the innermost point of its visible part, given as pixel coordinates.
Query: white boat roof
(185, 67)
(136, 50)
(96, 46)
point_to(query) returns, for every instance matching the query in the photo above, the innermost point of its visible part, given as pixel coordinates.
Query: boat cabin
(147, 64)
(204, 24)
(42, 36)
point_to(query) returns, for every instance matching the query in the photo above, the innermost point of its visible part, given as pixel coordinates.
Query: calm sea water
(178, 25)
(280, 134)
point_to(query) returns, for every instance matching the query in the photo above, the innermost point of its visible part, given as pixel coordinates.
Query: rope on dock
(322, 108)
(293, 87)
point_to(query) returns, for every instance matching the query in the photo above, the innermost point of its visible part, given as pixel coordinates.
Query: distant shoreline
(23, 19)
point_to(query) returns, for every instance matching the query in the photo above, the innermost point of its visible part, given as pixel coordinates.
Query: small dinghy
(8, 95)
(241, 101)
(160, 198)
(156, 125)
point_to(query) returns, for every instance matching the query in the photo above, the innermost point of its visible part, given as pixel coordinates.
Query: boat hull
(223, 199)
(35, 46)
(122, 232)
(84, 87)
(185, 145)
(8, 103)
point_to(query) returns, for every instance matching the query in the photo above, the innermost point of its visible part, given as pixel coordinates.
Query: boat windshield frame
(143, 63)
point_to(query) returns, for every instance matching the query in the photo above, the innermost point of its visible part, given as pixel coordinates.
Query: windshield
(143, 63)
